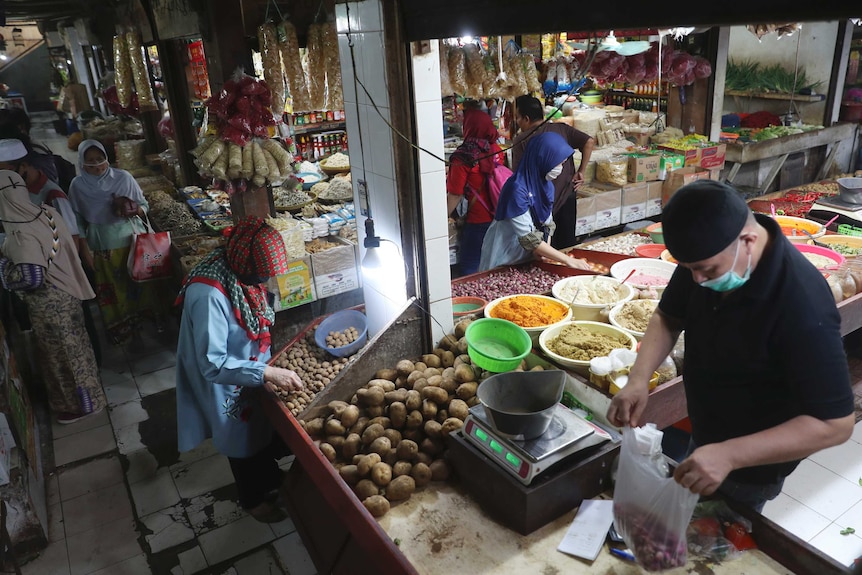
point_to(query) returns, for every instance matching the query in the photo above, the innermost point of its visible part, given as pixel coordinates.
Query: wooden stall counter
(445, 528)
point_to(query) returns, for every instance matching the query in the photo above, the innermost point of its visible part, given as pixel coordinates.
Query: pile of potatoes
(315, 368)
(388, 440)
(341, 338)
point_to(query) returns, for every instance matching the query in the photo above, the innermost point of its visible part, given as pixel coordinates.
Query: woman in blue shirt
(222, 354)
(523, 224)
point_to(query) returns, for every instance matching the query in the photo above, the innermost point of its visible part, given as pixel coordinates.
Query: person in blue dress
(222, 353)
(523, 224)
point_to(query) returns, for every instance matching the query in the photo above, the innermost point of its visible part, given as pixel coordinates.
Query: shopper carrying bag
(149, 254)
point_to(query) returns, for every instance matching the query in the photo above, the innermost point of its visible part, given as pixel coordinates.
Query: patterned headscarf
(479, 133)
(255, 252)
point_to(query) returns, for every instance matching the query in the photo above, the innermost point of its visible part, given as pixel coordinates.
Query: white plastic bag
(651, 510)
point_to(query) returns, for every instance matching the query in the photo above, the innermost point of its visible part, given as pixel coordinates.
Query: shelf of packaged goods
(776, 96)
(319, 127)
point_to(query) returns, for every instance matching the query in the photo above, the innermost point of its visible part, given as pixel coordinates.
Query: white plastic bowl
(533, 331)
(612, 317)
(589, 311)
(648, 266)
(578, 366)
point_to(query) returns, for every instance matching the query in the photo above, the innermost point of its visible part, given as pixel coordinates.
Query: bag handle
(146, 221)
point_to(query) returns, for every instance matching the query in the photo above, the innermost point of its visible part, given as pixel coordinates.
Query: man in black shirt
(765, 373)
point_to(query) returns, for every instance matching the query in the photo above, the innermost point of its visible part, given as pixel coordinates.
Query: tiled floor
(123, 500)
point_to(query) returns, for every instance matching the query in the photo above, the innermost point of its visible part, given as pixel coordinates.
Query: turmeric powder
(529, 311)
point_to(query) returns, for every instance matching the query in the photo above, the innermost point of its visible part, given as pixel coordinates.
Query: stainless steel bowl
(521, 404)
(850, 190)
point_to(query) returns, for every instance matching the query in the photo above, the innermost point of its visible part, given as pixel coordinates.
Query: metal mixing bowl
(850, 190)
(521, 404)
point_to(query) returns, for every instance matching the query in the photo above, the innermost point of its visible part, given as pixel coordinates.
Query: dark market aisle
(123, 501)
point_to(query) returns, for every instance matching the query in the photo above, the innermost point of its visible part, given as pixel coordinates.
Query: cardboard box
(642, 167)
(653, 203)
(668, 162)
(715, 174)
(710, 156)
(335, 270)
(585, 222)
(679, 178)
(608, 203)
(296, 287)
(634, 202)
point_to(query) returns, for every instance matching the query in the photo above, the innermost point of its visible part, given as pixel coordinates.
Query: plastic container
(467, 305)
(825, 252)
(522, 404)
(497, 345)
(792, 228)
(650, 250)
(340, 321)
(643, 266)
(534, 331)
(665, 255)
(587, 311)
(578, 366)
(851, 242)
(656, 233)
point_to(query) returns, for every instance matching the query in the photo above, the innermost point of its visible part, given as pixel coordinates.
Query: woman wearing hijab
(40, 263)
(222, 353)
(110, 204)
(523, 223)
(469, 167)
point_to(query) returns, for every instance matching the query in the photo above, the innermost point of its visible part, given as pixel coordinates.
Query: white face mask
(554, 173)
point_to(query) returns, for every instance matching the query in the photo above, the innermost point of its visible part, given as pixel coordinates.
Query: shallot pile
(509, 281)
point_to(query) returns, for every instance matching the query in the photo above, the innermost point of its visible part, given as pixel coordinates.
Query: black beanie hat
(701, 219)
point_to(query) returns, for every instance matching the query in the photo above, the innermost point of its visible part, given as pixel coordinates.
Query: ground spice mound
(576, 342)
(529, 311)
(635, 314)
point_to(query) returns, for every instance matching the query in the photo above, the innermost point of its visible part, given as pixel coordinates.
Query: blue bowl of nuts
(342, 333)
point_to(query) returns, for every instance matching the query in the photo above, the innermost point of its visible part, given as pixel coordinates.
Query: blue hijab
(528, 188)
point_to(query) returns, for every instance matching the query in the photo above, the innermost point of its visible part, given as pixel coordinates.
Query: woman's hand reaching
(577, 264)
(282, 379)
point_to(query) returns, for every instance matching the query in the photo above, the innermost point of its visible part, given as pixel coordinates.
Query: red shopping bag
(150, 255)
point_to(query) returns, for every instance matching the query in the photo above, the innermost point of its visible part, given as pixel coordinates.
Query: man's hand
(577, 180)
(282, 378)
(577, 264)
(628, 405)
(705, 469)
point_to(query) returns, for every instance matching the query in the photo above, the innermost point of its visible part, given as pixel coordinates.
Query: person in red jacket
(469, 166)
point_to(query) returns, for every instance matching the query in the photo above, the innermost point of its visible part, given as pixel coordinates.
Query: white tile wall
(374, 72)
(439, 280)
(433, 192)
(442, 312)
(426, 74)
(429, 128)
(364, 15)
(381, 142)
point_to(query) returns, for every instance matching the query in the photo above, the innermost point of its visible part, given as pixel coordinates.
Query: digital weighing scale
(827, 206)
(567, 434)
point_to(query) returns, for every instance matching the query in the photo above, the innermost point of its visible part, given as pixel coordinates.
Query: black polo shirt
(762, 354)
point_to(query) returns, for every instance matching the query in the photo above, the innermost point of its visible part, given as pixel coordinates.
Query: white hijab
(92, 196)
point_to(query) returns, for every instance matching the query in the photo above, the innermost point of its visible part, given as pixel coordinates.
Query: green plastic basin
(497, 345)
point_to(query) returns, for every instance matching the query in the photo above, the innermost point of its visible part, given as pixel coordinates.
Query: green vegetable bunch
(748, 76)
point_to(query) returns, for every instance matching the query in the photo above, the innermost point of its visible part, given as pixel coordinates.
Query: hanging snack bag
(475, 71)
(122, 71)
(139, 73)
(445, 85)
(296, 85)
(458, 70)
(316, 67)
(271, 62)
(334, 93)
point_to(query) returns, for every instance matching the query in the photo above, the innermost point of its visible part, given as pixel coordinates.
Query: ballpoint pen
(623, 554)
